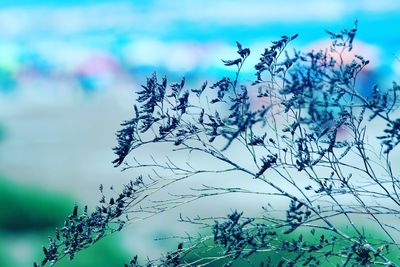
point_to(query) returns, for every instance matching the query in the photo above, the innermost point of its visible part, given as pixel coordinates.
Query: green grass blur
(371, 232)
(27, 209)
(29, 215)
(107, 252)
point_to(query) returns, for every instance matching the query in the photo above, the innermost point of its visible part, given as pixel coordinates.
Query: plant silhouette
(310, 146)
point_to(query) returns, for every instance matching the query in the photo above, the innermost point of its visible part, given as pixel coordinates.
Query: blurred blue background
(68, 73)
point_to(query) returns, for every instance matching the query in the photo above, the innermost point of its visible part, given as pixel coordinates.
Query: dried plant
(310, 147)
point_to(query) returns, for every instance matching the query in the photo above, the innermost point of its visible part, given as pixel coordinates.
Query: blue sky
(187, 35)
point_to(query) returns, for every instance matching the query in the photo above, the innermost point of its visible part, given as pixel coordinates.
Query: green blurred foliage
(29, 215)
(370, 231)
(22, 249)
(26, 209)
(5, 260)
(107, 252)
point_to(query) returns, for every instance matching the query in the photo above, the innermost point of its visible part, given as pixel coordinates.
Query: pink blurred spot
(99, 65)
